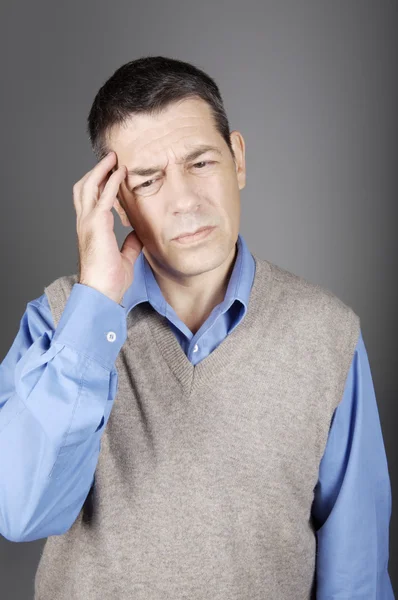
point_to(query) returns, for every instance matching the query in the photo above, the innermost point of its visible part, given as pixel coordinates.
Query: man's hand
(101, 264)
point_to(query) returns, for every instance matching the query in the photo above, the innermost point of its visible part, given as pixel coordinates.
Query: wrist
(111, 295)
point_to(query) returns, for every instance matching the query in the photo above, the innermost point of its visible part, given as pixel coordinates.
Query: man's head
(153, 112)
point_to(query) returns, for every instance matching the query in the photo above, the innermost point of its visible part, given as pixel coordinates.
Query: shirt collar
(146, 289)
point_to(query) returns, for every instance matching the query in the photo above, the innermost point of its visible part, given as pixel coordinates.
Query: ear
(238, 145)
(121, 212)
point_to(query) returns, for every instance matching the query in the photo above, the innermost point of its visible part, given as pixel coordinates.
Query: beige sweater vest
(206, 474)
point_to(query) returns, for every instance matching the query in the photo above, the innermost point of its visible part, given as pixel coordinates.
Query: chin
(201, 260)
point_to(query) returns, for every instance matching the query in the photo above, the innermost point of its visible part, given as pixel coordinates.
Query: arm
(352, 502)
(56, 393)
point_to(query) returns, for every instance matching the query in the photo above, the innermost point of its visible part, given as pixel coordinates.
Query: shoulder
(57, 294)
(313, 305)
(62, 285)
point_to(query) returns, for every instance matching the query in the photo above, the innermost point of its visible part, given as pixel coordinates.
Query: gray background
(311, 85)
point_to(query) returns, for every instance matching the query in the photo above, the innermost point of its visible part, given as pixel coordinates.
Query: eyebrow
(190, 156)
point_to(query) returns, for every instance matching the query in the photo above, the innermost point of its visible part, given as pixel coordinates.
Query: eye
(144, 185)
(204, 162)
(147, 184)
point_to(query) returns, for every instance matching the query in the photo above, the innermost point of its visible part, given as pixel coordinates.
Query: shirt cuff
(92, 324)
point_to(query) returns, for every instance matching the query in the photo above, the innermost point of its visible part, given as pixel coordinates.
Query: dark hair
(148, 85)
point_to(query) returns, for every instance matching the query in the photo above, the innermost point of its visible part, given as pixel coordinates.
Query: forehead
(178, 127)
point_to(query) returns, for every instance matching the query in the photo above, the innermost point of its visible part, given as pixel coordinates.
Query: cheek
(125, 200)
(147, 219)
(222, 191)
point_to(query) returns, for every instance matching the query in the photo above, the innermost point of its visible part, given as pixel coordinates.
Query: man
(182, 418)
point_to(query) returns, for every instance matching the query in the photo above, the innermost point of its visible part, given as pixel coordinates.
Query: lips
(187, 234)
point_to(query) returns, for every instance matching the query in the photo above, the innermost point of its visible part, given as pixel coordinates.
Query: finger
(77, 203)
(91, 182)
(106, 159)
(111, 189)
(78, 187)
(131, 246)
(105, 181)
(102, 185)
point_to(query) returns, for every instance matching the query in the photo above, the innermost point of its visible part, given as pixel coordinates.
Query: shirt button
(195, 348)
(111, 336)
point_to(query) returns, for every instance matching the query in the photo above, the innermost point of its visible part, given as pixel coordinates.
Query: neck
(193, 303)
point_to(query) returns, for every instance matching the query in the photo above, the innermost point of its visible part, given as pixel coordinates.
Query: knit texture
(206, 474)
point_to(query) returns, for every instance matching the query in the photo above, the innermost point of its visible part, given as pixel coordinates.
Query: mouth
(188, 238)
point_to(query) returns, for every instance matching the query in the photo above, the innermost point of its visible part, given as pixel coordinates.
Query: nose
(182, 191)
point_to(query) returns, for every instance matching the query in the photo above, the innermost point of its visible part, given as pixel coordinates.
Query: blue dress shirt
(57, 391)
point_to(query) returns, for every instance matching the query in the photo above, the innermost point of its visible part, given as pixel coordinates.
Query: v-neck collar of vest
(192, 376)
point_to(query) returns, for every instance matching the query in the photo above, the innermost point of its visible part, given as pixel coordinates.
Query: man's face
(181, 196)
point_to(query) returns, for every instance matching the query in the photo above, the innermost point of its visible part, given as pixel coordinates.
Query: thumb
(131, 247)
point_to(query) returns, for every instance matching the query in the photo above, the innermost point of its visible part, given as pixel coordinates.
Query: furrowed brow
(144, 172)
